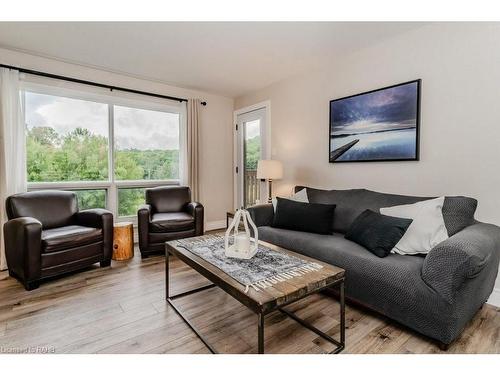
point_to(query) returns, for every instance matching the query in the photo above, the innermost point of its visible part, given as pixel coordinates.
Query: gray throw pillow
(458, 213)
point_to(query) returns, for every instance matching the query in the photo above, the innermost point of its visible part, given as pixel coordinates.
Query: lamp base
(270, 192)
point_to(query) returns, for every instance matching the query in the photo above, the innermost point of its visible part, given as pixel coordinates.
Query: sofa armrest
(262, 214)
(143, 219)
(102, 219)
(197, 211)
(462, 256)
(23, 243)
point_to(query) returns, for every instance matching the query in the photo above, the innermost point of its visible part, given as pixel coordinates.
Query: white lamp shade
(269, 170)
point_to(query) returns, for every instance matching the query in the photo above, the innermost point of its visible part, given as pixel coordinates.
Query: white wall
(216, 192)
(459, 65)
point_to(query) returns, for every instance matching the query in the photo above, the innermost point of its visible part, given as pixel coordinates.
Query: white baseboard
(213, 225)
(495, 298)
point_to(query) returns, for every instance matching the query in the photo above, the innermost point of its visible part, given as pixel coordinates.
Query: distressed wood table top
(270, 298)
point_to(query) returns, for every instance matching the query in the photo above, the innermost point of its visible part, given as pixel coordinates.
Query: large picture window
(146, 144)
(67, 139)
(107, 150)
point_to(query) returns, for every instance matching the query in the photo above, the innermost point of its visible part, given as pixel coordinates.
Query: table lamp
(269, 170)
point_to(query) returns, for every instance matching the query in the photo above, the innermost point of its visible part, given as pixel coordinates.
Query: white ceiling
(225, 58)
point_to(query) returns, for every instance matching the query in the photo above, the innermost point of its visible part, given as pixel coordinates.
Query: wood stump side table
(123, 241)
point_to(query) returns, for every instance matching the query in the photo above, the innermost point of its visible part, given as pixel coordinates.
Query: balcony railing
(252, 187)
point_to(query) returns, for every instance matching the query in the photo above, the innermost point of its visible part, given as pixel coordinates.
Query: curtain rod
(90, 83)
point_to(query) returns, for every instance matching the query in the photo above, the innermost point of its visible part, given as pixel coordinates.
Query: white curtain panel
(183, 157)
(193, 114)
(12, 146)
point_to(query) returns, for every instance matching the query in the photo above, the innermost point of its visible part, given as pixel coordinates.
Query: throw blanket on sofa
(266, 268)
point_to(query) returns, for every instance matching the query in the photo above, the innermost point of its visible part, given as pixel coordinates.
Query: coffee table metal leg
(340, 345)
(191, 325)
(342, 314)
(170, 299)
(261, 318)
(167, 276)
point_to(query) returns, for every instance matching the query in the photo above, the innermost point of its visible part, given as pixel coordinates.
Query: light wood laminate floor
(122, 309)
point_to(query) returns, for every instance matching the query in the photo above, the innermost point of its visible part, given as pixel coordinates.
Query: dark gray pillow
(458, 213)
(376, 232)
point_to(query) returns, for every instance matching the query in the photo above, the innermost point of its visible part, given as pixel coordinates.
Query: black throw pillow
(304, 217)
(376, 232)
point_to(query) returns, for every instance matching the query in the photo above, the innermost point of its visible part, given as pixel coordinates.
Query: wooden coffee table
(265, 301)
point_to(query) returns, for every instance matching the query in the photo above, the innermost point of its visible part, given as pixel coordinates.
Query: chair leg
(106, 263)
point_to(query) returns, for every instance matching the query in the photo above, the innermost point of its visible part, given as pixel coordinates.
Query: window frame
(111, 185)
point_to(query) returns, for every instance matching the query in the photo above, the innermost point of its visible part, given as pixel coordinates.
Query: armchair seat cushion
(62, 238)
(171, 222)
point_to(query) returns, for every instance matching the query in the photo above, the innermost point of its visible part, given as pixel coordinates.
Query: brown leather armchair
(47, 235)
(167, 215)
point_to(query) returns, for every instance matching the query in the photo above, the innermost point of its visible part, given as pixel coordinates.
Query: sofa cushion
(62, 238)
(377, 233)
(392, 285)
(373, 280)
(307, 217)
(171, 222)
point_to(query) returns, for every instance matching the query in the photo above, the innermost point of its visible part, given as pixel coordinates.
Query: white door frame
(267, 139)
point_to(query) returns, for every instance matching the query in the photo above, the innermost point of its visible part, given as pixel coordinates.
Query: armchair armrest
(145, 211)
(95, 217)
(461, 257)
(23, 242)
(262, 214)
(197, 211)
(102, 219)
(143, 220)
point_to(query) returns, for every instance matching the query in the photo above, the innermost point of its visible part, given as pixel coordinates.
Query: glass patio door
(250, 148)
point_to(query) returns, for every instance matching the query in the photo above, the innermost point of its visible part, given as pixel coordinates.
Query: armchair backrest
(53, 208)
(168, 198)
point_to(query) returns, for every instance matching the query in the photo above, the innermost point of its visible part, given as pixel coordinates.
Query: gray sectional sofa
(435, 295)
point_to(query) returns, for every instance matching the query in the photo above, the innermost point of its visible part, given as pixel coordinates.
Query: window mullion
(112, 201)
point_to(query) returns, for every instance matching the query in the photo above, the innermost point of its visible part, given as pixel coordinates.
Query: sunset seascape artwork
(379, 125)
